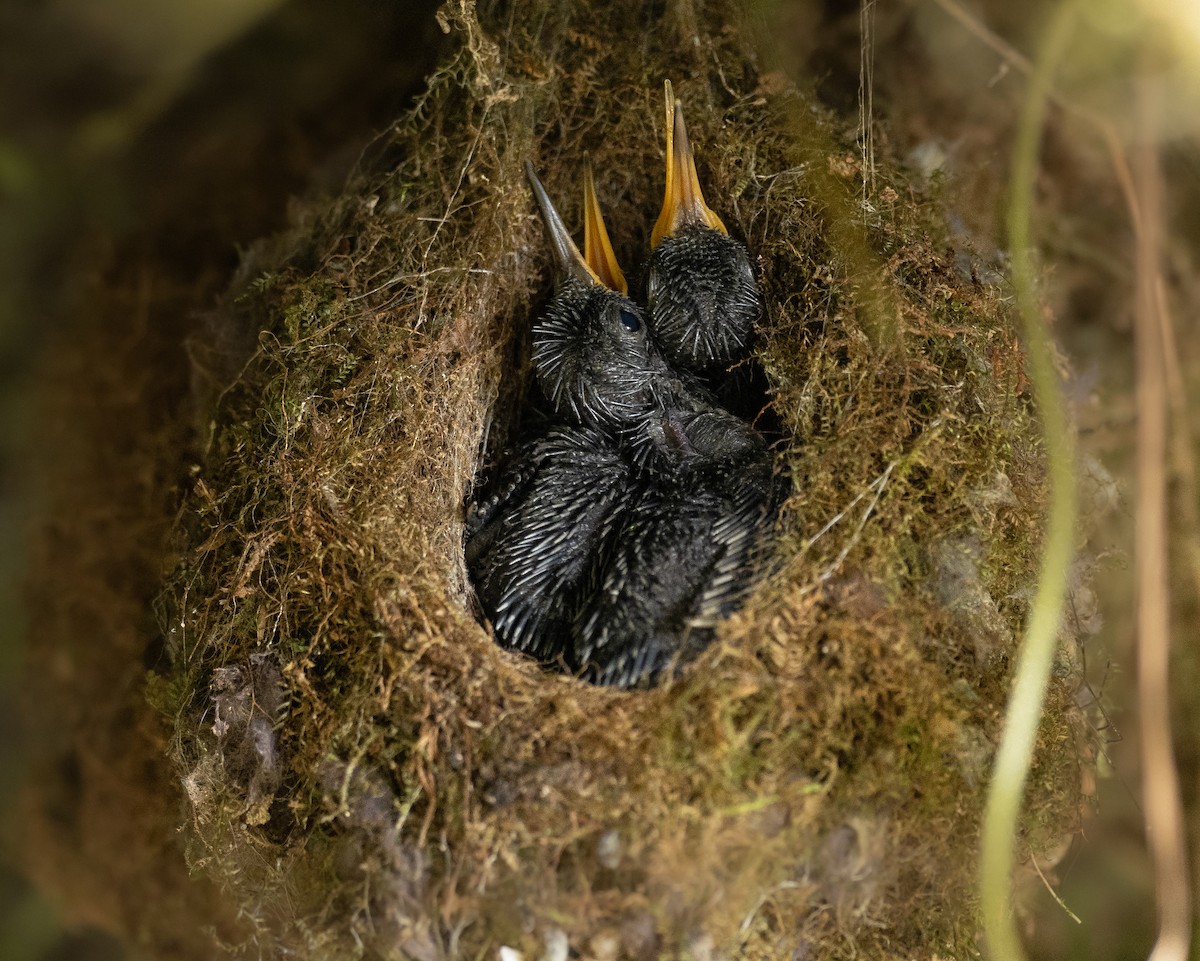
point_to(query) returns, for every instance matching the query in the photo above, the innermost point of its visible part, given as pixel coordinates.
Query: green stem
(1036, 656)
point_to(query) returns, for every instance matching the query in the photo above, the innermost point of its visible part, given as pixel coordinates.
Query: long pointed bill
(566, 254)
(597, 250)
(683, 202)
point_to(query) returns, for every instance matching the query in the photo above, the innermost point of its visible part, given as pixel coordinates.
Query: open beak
(570, 261)
(597, 250)
(683, 202)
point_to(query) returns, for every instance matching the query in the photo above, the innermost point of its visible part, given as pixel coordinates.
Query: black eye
(631, 321)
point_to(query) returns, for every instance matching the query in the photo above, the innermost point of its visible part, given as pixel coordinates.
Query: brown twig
(866, 97)
(1161, 800)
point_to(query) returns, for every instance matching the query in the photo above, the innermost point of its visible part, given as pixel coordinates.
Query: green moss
(808, 781)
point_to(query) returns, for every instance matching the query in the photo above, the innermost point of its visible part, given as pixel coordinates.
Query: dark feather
(683, 558)
(531, 558)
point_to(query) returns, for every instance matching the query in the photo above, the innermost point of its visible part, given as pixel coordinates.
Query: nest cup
(367, 773)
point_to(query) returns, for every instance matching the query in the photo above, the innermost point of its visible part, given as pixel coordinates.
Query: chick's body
(683, 553)
(532, 546)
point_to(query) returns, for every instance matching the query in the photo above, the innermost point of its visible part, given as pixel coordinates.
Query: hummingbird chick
(592, 355)
(685, 554)
(532, 545)
(701, 293)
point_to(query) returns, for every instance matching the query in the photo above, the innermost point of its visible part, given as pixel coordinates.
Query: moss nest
(367, 773)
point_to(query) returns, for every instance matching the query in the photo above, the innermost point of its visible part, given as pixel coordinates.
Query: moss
(368, 773)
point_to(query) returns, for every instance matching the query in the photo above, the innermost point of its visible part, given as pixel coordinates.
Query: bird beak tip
(598, 252)
(683, 200)
(570, 261)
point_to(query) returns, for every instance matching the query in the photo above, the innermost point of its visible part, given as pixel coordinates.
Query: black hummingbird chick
(533, 544)
(702, 297)
(685, 553)
(592, 354)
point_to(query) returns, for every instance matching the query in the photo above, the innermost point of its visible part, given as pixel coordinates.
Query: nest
(366, 772)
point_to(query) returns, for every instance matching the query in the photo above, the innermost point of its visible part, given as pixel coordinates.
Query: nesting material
(366, 771)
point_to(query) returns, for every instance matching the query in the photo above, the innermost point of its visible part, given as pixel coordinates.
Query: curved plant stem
(1025, 706)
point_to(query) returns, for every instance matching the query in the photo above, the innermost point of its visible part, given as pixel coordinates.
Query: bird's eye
(630, 321)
